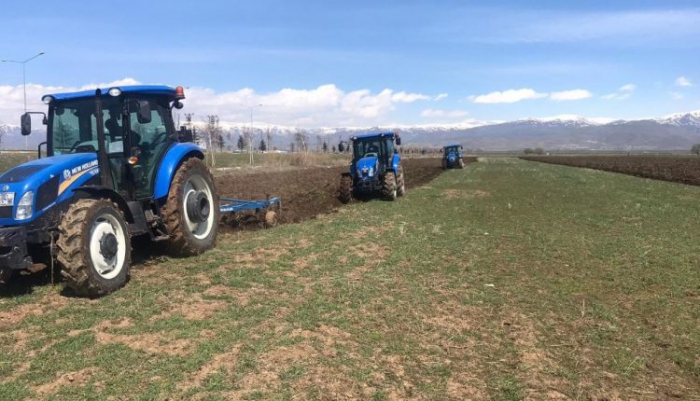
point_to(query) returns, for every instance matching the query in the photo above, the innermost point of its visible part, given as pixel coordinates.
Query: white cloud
(623, 93)
(440, 97)
(404, 97)
(576, 94)
(517, 95)
(434, 113)
(326, 105)
(508, 96)
(684, 82)
(677, 96)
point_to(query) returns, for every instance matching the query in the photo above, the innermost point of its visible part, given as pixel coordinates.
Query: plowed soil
(681, 169)
(308, 192)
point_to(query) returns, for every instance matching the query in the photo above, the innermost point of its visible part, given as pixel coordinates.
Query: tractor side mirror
(26, 124)
(144, 114)
(398, 141)
(461, 147)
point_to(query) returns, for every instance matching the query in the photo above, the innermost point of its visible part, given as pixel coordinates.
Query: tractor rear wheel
(94, 247)
(400, 183)
(389, 190)
(444, 164)
(345, 190)
(191, 213)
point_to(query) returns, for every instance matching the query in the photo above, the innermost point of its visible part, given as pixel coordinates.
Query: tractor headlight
(24, 207)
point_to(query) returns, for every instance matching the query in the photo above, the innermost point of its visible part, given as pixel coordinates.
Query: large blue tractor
(452, 157)
(376, 167)
(115, 168)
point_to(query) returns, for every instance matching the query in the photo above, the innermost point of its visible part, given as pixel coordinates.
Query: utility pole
(24, 86)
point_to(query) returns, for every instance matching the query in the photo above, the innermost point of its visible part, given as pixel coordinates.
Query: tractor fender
(169, 165)
(396, 162)
(97, 192)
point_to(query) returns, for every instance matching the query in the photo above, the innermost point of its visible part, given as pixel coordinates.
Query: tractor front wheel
(389, 190)
(191, 213)
(94, 247)
(345, 190)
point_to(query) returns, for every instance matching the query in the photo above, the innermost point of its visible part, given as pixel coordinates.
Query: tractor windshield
(451, 149)
(73, 126)
(376, 146)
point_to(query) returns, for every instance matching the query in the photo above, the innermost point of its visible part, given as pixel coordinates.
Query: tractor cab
(375, 150)
(136, 129)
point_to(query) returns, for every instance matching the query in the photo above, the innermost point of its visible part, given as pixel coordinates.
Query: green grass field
(506, 280)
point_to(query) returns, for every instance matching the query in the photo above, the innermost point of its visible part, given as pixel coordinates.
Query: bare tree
(301, 139)
(211, 136)
(268, 135)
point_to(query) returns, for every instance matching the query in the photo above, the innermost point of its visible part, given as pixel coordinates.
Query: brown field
(307, 192)
(683, 169)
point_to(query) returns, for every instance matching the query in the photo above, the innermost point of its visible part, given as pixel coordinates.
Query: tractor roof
(451, 146)
(158, 90)
(375, 135)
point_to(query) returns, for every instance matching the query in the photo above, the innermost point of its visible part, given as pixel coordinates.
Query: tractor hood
(366, 167)
(48, 179)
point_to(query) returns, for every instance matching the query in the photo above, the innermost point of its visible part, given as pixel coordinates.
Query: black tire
(444, 164)
(188, 236)
(400, 183)
(89, 229)
(5, 275)
(345, 190)
(389, 190)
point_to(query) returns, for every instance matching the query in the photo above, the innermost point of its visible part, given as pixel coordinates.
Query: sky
(364, 63)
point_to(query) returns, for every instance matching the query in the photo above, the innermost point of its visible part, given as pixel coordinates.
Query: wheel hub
(109, 246)
(198, 206)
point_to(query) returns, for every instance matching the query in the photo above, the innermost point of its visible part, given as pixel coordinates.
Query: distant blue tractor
(115, 169)
(452, 157)
(376, 168)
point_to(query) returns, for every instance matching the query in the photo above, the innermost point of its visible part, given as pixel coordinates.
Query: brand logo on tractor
(66, 174)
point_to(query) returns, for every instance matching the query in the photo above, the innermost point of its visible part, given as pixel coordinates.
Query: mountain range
(566, 132)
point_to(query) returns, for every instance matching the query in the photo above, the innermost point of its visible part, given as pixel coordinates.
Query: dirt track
(311, 191)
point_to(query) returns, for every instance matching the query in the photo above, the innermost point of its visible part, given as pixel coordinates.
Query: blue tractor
(452, 157)
(115, 168)
(376, 167)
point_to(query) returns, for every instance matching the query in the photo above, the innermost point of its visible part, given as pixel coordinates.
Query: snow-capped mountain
(566, 120)
(677, 131)
(691, 119)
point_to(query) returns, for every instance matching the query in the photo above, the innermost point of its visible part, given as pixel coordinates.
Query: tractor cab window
(367, 147)
(451, 149)
(73, 127)
(150, 134)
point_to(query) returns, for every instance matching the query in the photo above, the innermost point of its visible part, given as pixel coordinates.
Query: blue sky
(332, 62)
